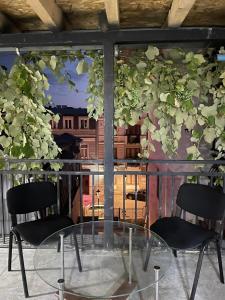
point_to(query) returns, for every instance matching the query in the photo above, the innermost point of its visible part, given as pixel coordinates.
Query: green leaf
(5, 141)
(82, 67)
(28, 150)
(190, 122)
(163, 97)
(53, 62)
(16, 151)
(209, 135)
(211, 120)
(196, 134)
(190, 156)
(170, 100)
(42, 64)
(208, 110)
(192, 84)
(141, 65)
(199, 58)
(152, 52)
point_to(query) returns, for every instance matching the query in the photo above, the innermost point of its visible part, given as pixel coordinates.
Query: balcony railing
(143, 191)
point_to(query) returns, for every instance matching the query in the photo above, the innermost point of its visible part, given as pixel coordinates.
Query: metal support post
(156, 269)
(130, 255)
(62, 254)
(61, 289)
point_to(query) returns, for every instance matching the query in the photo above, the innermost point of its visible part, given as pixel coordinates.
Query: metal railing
(144, 189)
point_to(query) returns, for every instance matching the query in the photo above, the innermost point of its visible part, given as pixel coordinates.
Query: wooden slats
(178, 12)
(7, 25)
(112, 12)
(48, 11)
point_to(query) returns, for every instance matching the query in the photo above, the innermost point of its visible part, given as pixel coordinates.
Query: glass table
(103, 260)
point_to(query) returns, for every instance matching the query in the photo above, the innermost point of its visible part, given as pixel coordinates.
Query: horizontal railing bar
(125, 172)
(152, 173)
(131, 161)
(40, 172)
(187, 173)
(169, 161)
(74, 161)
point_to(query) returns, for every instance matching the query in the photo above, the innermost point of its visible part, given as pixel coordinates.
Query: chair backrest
(30, 197)
(202, 200)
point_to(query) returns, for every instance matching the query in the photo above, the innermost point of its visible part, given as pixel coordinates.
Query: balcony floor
(175, 285)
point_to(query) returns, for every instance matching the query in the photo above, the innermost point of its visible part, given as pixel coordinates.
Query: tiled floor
(175, 285)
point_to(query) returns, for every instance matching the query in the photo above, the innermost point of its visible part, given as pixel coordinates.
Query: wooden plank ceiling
(33, 15)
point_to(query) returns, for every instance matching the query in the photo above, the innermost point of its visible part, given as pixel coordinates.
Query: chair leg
(218, 248)
(174, 253)
(148, 254)
(10, 251)
(58, 246)
(24, 279)
(77, 252)
(197, 273)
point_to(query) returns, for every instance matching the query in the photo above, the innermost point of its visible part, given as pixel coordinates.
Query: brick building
(76, 122)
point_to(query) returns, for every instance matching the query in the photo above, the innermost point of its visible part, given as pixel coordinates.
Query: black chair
(34, 197)
(203, 201)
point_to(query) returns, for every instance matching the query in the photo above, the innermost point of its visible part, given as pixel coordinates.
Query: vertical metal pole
(135, 204)
(108, 129)
(156, 269)
(130, 255)
(160, 195)
(108, 144)
(62, 254)
(124, 198)
(58, 196)
(70, 196)
(61, 289)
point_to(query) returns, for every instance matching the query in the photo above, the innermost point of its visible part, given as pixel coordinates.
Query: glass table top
(117, 259)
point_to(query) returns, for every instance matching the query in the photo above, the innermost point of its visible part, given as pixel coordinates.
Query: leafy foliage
(25, 130)
(169, 91)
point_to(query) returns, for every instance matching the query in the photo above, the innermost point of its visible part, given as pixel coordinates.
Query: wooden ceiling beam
(48, 11)
(178, 12)
(6, 25)
(112, 12)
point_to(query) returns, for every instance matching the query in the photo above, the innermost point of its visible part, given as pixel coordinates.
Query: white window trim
(85, 119)
(85, 146)
(67, 119)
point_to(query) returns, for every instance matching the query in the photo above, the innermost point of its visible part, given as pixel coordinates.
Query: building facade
(76, 122)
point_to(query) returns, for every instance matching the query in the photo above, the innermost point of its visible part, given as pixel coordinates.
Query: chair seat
(34, 232)
(180, 234)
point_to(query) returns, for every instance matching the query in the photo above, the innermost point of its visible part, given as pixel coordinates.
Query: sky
(61, 94)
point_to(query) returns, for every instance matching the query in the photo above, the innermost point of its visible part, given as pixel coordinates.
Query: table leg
(156, 269)
(62, 254)
(61, 289)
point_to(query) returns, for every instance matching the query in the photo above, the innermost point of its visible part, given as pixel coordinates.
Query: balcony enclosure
(110, 187)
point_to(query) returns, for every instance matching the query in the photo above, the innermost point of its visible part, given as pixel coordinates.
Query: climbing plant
(25, 130)
(169, 90)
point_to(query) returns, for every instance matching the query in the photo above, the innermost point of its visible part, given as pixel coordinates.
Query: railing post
(108, 129)
(108, 144)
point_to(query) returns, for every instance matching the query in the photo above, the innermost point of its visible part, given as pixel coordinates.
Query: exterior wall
(126, 141)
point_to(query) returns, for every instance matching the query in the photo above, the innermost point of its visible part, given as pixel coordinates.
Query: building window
(67, 123)
(132, 153)
(54, 125)
(84, 123)
(83, 151)
(115, 153)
